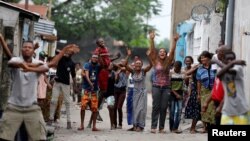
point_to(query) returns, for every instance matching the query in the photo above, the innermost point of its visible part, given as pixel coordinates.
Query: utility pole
(50, 8)
(26, 4)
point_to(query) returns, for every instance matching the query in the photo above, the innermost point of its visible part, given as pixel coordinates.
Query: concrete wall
(181, 11)
(205, 36)
(240, 41)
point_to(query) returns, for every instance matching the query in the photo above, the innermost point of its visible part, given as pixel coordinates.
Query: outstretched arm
(230, 65)
(147, 68)
(56, 59)
(45, 67)
(220, 64)
(128, 68)
(172, 51)
(117, 56)
(191, 71)
(152, 50)
(5, 47)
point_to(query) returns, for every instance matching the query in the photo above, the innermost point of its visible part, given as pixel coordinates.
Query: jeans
(130, 106)
(175, 113)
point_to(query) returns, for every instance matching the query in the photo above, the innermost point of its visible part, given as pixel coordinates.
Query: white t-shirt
(24, 86)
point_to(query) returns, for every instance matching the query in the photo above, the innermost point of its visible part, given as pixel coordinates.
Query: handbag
(217, 90)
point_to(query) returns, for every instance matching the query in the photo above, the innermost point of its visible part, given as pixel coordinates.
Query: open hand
(148, 52)
(72, 47)
(152, 35)
(36, 46)
(240, 62)
(176, 37)
(129, 51)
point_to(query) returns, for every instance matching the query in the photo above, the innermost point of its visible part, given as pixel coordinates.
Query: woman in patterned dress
(140, 93)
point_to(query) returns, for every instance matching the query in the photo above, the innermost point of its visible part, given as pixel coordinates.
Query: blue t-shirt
(93, 75)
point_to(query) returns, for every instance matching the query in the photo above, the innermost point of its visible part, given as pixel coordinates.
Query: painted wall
(205, 36)
(240, 41)
(181, 11)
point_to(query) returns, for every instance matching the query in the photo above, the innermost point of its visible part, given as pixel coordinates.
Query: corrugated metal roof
(44, 27)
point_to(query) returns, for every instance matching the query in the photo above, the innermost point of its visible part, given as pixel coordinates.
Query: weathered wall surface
(241, 41)
(181, 11)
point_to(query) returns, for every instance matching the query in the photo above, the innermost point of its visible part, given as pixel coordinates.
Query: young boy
(177, 79)
(234, 105)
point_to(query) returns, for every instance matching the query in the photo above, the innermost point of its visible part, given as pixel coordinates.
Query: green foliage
(141, 41)
(120, 19)
(165, 43)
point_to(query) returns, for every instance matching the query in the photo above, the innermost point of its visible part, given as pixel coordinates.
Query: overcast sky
(162, 22)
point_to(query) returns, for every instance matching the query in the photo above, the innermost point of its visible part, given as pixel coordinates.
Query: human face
(27, 50)
(229, 58)
(136, 58)
(101, 42)
(94, 59)
(77, 66)
(177, 67)
(188, 62)
(133, 65)
(138, 65)
(204, 60)
(220, 54)
(162, 53)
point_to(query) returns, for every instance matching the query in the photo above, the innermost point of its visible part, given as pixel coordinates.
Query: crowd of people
(211, 91)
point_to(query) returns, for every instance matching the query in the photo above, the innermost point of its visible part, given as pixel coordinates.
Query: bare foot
(193, 131)
(80, 128)
(95, 129)
(177, 131)
(139, 129)
(162, 131)
(153, 131)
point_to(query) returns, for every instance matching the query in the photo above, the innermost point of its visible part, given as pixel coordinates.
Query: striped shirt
(206, 76)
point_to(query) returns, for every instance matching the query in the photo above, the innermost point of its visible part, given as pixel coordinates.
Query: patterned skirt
(193, 108)
(209, 115)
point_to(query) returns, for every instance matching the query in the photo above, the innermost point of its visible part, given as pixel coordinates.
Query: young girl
(109, 95)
